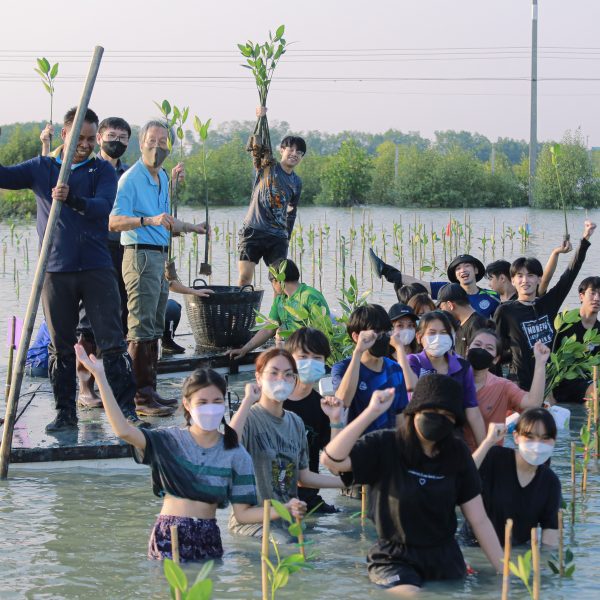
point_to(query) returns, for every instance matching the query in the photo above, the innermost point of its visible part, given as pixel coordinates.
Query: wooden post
(265, 549)
(301, 537)
(596, 414)
(363, 503)
(175, 552)
(505, 567)
(561, 539)
(40, 271)
(13, 325)
(586, 450)
(535, 563)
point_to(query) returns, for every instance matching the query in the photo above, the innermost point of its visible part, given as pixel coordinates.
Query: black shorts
(392, 564)
(255, 244)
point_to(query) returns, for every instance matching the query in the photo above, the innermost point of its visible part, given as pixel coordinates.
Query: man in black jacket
(79, 267)
(521, 323)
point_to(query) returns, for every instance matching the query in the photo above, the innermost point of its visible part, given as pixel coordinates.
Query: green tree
(383, 190)
(311, 172)
(21, 145)
(475, 143)
(579, 186)
(346, 179)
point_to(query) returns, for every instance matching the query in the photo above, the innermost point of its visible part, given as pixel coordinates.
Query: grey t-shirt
(275, 198)
(279, 449)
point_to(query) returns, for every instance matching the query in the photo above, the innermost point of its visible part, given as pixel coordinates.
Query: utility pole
(533, 116)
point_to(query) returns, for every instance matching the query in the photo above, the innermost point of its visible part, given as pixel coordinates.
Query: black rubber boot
(382, 269)
(61, 372)
(65, 419)
(170, 347)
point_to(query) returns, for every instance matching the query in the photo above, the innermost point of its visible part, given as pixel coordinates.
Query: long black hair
(202, 378)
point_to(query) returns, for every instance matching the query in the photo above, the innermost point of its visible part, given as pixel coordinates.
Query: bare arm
(495, 433)
(550, 267)
(347, 387)
(410, 377)
(119, 424)
(535, 396)
(176, 286)
(245, 514)
(252, 395)
(474, 512)
(317, 480)
(475, 421)
(259, 338)
(185, 227)
(408, 279)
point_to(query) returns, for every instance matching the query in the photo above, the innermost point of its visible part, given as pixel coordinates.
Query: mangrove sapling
(202, 587)
(48, 74)
(202, 130)
(262, 59)
(555, 152)
(522, 570)
(562, 563)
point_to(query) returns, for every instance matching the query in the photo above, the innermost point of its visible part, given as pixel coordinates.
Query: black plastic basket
(223, 319)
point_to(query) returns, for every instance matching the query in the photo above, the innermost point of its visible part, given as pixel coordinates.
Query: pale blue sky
(334, 39)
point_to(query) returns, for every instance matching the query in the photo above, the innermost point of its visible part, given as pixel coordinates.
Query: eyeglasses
(111, 137)
(298, 153)
(288, 376)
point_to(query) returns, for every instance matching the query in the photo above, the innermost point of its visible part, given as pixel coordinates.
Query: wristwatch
(142, 222)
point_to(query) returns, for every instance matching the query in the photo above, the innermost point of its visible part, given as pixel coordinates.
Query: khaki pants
(147, 293)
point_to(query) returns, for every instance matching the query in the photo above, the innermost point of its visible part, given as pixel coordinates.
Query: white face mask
(277, 390)
(407, 336)
(437, 345)
(310, 370)
(535, 453)
(208, 416)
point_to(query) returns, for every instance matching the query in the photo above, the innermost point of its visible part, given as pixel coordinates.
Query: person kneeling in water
(418, 474)
(195, 469)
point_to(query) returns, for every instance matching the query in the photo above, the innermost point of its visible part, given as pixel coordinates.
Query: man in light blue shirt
(142, 214)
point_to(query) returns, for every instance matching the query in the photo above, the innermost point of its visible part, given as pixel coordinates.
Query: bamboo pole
(264, 554)
(505, 567)
(13, 325)
(535, 563)
(301, 537)
(175, 553)
(586, 450)
(573, 483)
(561, 541)
(40, 271)
(363, 503)
(596, 414)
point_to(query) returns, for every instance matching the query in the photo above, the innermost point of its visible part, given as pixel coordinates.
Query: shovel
(205, 267)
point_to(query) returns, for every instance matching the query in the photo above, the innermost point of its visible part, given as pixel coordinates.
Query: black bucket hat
(438, 391)
(465, 258)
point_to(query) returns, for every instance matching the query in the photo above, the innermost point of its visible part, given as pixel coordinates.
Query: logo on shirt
(538, 330)
(362, 386)
(423, 477)
(484, 304)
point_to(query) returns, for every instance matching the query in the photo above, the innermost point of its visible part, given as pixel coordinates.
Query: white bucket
(562, 417)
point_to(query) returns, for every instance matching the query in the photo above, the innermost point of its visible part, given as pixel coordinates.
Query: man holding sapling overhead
(269, 222)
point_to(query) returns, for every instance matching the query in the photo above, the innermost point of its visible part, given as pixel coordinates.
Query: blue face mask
(310, 370)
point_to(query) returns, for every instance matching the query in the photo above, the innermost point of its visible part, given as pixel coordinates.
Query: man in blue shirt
(369, 368)
(142, 214)
(79, 267)
(464, 269)
(269, 222)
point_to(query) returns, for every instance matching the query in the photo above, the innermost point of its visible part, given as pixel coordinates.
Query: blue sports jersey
(484, 302)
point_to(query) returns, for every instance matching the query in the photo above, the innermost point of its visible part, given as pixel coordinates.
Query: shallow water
(84, 534)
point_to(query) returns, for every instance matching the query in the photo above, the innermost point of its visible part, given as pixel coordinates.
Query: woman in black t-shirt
(418, 474)
(518, 483)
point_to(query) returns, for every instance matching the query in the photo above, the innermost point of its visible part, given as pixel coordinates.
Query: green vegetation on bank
(454, 170)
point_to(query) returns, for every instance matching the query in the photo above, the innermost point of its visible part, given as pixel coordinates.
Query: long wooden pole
(561, 542)
(11, 351)
(264, 554)
(535, 563)
(596, 414)
(505, 567)
(40, 271)
(363, 503)
(175, 553)
(301, 537)
(573, 483)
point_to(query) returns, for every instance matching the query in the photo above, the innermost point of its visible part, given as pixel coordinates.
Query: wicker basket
(223, 319)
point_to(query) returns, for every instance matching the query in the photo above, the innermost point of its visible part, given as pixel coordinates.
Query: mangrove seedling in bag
(48, 74)
(202, 587)
(262, 59)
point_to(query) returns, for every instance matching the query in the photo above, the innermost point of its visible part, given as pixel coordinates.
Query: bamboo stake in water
(13, 324)
(175, 552)
(573, 483)
(596, 414)
(505, 567)
(535, 563)
(363, 502)
(561, 535)
(264, 555)
(301, 537)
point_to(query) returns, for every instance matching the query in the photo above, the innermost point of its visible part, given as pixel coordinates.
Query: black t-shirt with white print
(520, 325)
(413, 506)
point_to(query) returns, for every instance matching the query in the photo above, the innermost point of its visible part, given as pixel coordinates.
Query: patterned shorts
(199, 539)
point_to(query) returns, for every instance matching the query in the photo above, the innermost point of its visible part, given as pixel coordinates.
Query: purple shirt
(458, 368)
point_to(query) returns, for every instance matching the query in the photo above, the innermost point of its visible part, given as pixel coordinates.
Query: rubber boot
(157, 397)
(87, 397)
(145, 402)
(382, 269)
(169, 346)
(61, 372)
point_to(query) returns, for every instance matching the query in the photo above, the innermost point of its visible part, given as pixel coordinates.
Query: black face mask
(479, 358)
(114, 149)
(381, 347)
(155, 156)
(434, 426)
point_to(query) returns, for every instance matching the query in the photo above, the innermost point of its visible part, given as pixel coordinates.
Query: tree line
(455, 169)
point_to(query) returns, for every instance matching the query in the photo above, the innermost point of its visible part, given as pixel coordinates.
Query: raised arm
(535, 396)
(252, 395)
(410, 377)
(495, 433)
(119, 424)
(550, 267)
